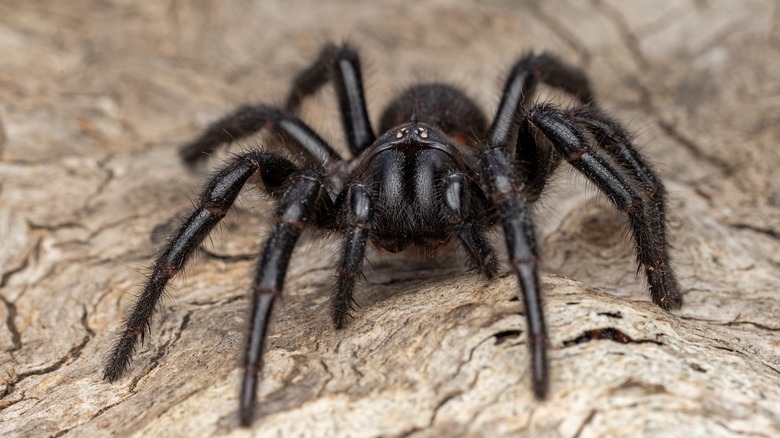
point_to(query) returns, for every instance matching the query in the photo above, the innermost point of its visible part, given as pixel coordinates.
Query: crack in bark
(63, 432)
(458, 392)
(696, 150)
(184, 398)
(235, 258)
(696, 367)
(634, 47)
(560, 30)
(585, 423)
(775, 234)
(743, 432)
(645, 387)
(436, 410)
(106, 180)
(628, 37)
(607, 333)
(16, 336)
(111, 406)
(732, 323)
(52, 228)
(452, 395)
(493, 400)
(754, 324)
(745, 354)
(616, 315)
(217, 303)
(85, 323)
(106, 227)
(73, 354)
(329, 377)
(505, 335)
(6, 277)
(101, 411)
(154, 362)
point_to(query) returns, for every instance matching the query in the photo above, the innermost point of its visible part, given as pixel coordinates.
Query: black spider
(437, 172)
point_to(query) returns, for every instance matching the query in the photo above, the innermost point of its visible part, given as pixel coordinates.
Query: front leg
(295, 210)
(216, 200)
(359, 212)
(459, 210)
(515, 215)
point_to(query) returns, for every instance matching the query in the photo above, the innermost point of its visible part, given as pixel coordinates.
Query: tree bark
(97, 96)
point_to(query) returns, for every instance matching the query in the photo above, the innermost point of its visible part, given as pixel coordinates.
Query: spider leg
(652, 253)
(342, 65)
(534, 165)
(250, 119)
(507, 193)
(457, 202)
(613, 140)
(521, 84)
(360, 210)
(295, 209)
(216, 199)
(515, 215)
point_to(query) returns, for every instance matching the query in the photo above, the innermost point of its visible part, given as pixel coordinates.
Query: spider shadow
(387, 276)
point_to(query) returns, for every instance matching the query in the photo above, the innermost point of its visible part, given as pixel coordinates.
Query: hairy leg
(520, 86)
(359, 211)
(341, 65)
(459, 207)
(515, 216)
(506, 190)
(250, 119)
(216, 199)
(295, 210)
(613, 140)
(570, 141)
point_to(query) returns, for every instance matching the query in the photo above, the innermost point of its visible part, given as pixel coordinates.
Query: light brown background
(95, 97)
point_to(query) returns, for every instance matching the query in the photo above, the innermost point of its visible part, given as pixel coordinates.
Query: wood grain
(96, 96)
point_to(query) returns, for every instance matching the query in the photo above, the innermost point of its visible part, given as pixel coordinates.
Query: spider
(436, 173)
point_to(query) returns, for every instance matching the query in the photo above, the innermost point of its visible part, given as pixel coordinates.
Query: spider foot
(341, 317)
(664, 288)
(488, 266)
(342, 306)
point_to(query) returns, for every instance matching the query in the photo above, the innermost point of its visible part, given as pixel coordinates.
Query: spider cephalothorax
(438, 172)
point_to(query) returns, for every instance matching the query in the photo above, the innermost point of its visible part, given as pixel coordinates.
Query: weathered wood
(96, 96)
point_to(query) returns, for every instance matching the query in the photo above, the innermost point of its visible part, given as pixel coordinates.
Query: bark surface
(96, 96)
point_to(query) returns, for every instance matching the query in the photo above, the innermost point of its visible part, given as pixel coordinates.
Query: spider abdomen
(440, 105)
